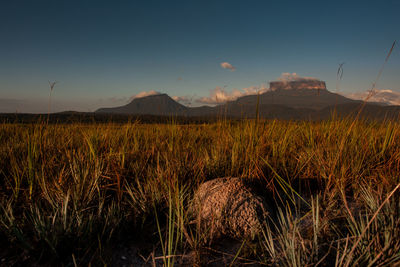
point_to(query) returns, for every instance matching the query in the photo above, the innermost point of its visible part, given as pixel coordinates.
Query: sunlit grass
(71, 192)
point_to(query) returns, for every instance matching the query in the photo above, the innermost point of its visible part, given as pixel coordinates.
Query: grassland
(78, 194)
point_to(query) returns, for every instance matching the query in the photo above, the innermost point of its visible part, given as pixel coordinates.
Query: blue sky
(104, 52)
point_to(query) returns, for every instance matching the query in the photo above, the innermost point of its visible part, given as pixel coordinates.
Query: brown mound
(229, 206)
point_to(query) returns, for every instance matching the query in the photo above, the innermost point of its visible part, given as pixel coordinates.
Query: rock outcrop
(293, 85)
(229, 207)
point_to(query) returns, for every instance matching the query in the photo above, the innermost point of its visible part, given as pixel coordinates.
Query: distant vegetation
(72, 117)
(76, 194)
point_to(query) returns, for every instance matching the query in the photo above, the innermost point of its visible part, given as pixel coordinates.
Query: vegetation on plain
(75, 194)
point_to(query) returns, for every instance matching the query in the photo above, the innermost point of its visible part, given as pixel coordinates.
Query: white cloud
(253, 90)
(383, 96)
(144, 94)
(220, 95)
(226, 65)
(285, 81)
(185, 100)
(291, 77)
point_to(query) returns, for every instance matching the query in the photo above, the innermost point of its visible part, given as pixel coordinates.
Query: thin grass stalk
(51, 85)
(371, 92)
(237, 254)
(349, 257)
(286, 187)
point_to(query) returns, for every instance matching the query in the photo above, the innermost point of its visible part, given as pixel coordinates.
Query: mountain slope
(297, 98)
(271, 102)
(160, 104)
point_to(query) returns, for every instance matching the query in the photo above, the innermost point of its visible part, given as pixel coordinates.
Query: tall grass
(51, 87)
(70, 193)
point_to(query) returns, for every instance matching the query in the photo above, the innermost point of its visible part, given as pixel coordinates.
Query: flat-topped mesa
(293, 85)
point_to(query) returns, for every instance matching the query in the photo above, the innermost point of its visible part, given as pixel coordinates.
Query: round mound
(229, 206)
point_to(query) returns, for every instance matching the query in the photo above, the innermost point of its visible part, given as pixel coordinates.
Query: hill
(160, 104)
(307, 99)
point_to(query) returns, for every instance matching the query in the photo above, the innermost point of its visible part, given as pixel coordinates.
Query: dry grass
(72, 193)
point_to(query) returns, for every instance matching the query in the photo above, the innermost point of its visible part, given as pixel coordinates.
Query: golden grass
(71, 192)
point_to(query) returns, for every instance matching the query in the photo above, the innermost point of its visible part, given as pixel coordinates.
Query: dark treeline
(84, 117)
(347, 111)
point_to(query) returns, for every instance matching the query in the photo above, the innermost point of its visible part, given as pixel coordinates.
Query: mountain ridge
(286, 102)
(159, 104)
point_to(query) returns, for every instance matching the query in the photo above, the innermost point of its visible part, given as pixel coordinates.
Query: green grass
(70, 194)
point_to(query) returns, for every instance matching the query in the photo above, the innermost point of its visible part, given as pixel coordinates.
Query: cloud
(292, 77)
(144, 94)
(226, 65)
(220, 95)
(291, 81)
(253, 90)
(383, 96)
(185, 100)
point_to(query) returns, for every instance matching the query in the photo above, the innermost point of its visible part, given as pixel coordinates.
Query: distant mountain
(160, 104)
(293, 99)
(369, 111)
(387, 97)
(297, 98)
(284, 100)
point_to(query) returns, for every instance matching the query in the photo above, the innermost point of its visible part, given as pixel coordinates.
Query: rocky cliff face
(293, 85)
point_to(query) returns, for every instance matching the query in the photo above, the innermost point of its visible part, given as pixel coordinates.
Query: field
(90, 194)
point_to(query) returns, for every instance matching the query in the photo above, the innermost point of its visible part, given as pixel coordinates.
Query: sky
(104, 53)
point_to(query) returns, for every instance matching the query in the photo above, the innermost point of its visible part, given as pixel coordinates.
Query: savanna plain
(112, 194)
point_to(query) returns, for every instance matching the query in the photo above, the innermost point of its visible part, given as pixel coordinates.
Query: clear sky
(104, 52)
